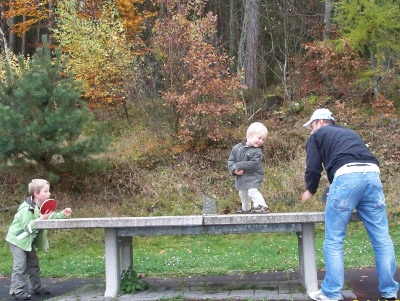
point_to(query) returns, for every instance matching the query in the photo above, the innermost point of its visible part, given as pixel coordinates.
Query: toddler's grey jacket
(249, 159)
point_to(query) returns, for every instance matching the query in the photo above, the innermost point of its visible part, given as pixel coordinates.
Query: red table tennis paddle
(48, 205)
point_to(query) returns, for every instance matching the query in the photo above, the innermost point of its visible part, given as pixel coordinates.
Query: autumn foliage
(200, 88)
(104, 63)
(326, 70)
(32, 11)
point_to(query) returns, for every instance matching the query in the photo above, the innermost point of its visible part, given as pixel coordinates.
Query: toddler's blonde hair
(256, 128)
(36, 185)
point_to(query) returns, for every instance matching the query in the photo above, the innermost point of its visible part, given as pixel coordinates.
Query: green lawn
(79, 253)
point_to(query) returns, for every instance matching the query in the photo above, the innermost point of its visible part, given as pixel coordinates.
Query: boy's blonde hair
(256, 128)
(36, 185)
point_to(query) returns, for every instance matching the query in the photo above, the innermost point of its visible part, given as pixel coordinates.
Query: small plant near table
(131, 282)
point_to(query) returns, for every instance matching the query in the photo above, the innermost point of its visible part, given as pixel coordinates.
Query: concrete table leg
(112, 260)
(126, 252)
(307, 258)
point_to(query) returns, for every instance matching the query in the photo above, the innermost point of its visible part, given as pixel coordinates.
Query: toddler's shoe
(261, 209)
(21, 296)
(240, 211)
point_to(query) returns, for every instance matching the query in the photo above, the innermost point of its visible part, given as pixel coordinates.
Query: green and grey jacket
(21, 232)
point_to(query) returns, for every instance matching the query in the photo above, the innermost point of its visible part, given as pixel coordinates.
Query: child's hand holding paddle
(45, 215)
(49, 206)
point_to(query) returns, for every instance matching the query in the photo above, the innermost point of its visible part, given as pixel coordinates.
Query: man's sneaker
(389, 299)
(319, 296)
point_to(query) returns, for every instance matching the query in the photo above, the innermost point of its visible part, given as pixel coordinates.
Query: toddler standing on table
(245, 164)
(22, 239)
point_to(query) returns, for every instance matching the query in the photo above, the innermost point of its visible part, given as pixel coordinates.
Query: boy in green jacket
(23, 238)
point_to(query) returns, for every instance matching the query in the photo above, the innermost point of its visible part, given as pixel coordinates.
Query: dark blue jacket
(333, 146)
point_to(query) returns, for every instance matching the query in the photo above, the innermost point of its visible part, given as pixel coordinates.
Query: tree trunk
(51, 23)
(232, 31)
(11, 35)
(328, 19)
(375, 78)
(247, 56)
(23, 46)
(3, 36)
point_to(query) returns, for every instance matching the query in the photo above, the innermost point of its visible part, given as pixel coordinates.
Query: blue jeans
(362, 191)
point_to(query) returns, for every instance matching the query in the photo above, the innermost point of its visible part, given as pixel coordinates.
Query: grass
(197, 255)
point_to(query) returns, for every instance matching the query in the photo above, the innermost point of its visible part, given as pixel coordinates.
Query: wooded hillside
(171, 81)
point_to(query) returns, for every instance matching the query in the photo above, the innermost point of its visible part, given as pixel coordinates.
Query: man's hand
(306, 196)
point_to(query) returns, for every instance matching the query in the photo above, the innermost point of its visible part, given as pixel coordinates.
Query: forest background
(130, 108)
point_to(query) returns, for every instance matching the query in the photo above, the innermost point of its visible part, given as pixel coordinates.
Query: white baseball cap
(319, 114)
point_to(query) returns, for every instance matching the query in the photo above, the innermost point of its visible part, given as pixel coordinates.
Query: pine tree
(42, 116)
(371, 27)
